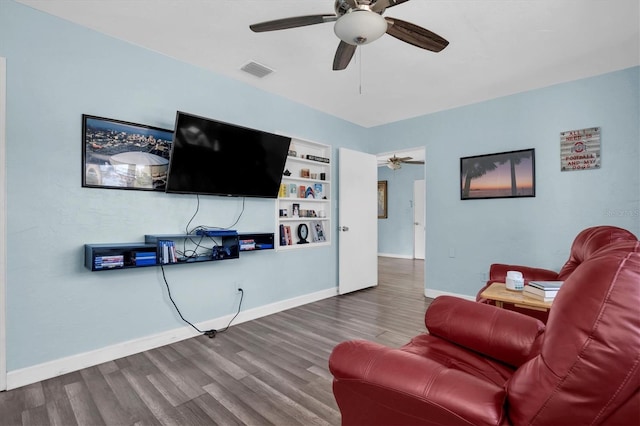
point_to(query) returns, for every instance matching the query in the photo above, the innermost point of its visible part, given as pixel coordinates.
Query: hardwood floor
(268, 371)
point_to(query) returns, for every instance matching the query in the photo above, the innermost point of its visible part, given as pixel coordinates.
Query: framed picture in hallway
(501, 175)
(382, 199)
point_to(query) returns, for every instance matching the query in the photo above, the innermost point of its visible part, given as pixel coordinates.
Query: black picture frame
(510, 174)
(119, 154)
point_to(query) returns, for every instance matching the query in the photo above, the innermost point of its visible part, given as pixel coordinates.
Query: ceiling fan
(395, 163)
(359, 22)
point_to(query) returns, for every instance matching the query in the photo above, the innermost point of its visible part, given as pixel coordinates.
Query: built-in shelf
(306, 187)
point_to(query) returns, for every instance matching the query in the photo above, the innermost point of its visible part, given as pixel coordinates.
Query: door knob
(343, 228)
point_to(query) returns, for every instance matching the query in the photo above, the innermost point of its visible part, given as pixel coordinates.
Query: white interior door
(357, 221)
(418, 219)
(3, 225)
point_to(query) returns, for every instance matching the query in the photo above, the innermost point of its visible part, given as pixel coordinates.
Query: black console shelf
(218, 245)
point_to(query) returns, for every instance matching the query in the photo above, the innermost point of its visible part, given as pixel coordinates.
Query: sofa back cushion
(589, 241)
(589, 359)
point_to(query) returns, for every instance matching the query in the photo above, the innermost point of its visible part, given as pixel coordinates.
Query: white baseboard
(47, 370)
(435, 293)
(398, 256)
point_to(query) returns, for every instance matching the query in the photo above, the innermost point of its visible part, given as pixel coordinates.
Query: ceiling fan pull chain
(360, 66)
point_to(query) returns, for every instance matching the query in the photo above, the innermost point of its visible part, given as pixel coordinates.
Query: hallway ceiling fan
(395, 163)
(359, 22)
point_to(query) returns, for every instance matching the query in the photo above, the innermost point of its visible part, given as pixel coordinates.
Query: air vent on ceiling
(256, 69)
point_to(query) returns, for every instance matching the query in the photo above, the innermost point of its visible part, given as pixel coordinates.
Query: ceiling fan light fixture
(360, 26)
(393, 165)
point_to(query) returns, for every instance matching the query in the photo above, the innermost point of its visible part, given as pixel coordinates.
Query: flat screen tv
(216, 158)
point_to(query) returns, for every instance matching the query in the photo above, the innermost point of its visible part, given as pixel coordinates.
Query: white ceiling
(497, 48)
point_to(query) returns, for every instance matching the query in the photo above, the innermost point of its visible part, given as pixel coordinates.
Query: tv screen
(217, 158)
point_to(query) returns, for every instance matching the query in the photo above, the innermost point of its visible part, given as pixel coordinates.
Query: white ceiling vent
(256, 69)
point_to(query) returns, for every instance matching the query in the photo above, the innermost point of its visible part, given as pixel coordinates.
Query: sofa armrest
(375, 384)
(507, 336)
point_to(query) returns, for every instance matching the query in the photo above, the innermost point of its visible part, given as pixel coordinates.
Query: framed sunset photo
(501, 175)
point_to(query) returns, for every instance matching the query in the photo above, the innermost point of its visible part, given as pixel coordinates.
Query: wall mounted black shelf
(174, 249)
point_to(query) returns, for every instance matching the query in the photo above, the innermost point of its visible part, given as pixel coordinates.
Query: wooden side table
(499, 293)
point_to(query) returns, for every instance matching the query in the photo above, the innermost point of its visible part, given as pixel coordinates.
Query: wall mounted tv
(216, 158)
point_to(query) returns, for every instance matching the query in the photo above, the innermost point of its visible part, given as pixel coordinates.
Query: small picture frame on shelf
(304, 173)
(295, 210)
(317, 231)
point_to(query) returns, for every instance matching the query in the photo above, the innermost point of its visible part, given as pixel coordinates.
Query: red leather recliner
(584, 245)
(482, 365)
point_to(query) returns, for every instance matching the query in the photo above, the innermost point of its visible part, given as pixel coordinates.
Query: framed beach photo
(122, 155)
(501, 175)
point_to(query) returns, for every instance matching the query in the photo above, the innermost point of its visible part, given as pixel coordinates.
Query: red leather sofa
(584, 245)
(482, 365)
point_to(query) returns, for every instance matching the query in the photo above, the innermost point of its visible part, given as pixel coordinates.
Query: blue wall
(531, 231)
(58, 71)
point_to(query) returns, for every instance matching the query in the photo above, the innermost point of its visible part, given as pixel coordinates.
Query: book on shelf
(167, 252)
(287, 235)
(317, 231)
(283, 238)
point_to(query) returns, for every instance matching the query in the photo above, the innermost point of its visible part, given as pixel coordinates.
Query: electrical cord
(209, 333)
(203, 227)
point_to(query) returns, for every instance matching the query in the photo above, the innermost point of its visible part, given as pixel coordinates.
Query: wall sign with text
(580, 149)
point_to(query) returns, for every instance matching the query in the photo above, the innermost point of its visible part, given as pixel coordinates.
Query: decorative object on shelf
(122, 155)
(286, 172)
(316, 158)
(382, 199)
(309, 193)
(323, 176)
(501, 175)
(293, 190)
(301, 191)
(292, 153)
(283, 213)
(303, 233)
(304, 173)
(283, 191)
(295, 210)
(317, 188)
(313, 175)
(580, 149)
(317, 231)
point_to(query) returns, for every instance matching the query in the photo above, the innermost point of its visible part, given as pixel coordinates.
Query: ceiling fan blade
(413, 34)
(343, 55)
(380, 5)
(413, 162)
(402, 159)
(293, 22)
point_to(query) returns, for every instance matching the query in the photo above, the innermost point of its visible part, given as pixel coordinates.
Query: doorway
(402, 231)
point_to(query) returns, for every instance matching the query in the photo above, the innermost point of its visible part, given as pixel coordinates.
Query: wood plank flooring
(268, 371)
